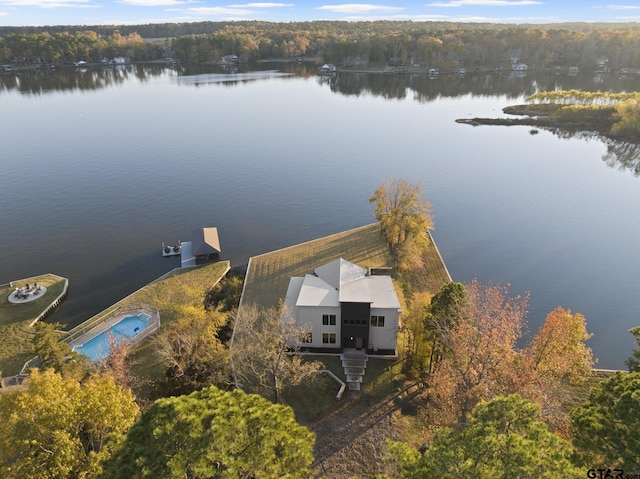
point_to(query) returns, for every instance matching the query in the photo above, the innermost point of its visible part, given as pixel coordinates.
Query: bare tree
(192, 351)
(264, 354)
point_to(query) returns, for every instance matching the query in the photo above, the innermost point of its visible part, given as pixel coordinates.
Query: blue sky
(121, 12)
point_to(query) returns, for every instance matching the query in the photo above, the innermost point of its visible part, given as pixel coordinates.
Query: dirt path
(351, 441)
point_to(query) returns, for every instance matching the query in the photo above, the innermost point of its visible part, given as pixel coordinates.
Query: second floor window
(377, 321)
(328, 319)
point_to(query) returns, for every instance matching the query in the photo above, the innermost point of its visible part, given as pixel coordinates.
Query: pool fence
(102, 319)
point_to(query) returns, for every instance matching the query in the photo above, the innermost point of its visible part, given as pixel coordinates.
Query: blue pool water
(98, 347)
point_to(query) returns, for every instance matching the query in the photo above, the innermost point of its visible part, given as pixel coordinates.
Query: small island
(614, 116)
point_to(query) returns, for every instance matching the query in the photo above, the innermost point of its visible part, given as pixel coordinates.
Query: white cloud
(262, 5)
(152, 3)
(221, 11)
(623, 7)
(358, 8)
(48, 3)
(484, 3)
(400, 18)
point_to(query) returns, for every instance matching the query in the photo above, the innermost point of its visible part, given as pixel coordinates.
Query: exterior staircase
(354, 363)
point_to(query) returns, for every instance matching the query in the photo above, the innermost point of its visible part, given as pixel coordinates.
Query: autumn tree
(481, 350)
(122, 366)
(262, 353)
(556, 357)
(628, 124)
(115, 362)
(504, 438)
(192, 352)
(59, 428)
(405, 217)
(558, 351)
(606, 427)
(214, 434)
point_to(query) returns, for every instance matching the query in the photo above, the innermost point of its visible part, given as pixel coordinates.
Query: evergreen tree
(215, 434)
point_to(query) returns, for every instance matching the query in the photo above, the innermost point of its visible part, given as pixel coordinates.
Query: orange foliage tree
(482, 351)
(557, 355)
(483, 360)
(559, 351)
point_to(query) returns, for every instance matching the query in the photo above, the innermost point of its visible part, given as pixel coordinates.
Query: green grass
(15, 319)
(269, 274)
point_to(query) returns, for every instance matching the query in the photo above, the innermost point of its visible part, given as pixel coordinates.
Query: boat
(171, 250)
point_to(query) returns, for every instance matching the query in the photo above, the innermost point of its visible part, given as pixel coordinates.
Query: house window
(306, 338)
(328, 319)
(329, 338)
(377, 321)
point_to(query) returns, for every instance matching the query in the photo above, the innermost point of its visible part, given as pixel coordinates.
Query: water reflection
(38, 82)
(420, 87)
(231, 77)
(623, 156)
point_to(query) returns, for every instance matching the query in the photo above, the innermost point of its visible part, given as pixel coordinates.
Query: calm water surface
(98, 168)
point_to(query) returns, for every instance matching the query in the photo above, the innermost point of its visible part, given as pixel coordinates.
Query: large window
(377, 321)
(328, 319)
(306, 338)
(329, 338)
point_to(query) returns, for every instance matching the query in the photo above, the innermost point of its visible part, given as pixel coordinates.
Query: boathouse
(342, 306)
(205, 245)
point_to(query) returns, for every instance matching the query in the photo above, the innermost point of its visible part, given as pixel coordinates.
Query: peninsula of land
(612, 116)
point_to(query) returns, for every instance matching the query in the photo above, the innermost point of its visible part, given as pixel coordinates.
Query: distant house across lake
(328, 68)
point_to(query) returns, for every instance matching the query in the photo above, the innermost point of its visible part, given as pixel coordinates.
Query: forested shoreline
(348, 44)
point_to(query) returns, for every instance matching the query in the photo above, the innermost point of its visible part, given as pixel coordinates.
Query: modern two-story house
(342, 306)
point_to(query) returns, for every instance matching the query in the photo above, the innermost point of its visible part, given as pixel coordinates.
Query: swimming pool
(98, 347)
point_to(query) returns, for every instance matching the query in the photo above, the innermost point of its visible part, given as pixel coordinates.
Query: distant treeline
(59, 48)
(349, 44)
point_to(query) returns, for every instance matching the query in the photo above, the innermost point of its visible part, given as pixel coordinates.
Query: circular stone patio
(24, 295)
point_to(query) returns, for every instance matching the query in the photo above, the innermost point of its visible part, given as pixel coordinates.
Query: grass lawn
(268, 275)
(15, 318)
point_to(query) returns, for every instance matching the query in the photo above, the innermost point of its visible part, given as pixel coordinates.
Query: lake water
(97, 168)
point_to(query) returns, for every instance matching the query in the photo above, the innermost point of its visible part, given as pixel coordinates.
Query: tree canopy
(192, 352)
(214, 434)
(442, 44)
(558, 350)
(504, 438)
(405, 217)
(59, 428)
(607, 426)
(476, 356)
(57, 354)
(633, 363)
(481, 349)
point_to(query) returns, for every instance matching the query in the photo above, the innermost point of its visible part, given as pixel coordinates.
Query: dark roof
(205, 241)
